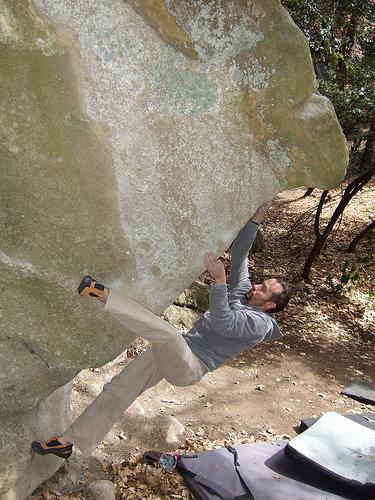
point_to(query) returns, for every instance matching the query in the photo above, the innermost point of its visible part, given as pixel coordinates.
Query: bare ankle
(104, 297)
(63, 441)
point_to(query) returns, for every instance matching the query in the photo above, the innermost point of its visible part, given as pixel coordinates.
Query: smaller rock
(196, 296)
(102, 490)
(175, 429)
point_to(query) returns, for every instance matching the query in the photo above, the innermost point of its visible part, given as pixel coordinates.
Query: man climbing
(237, 319)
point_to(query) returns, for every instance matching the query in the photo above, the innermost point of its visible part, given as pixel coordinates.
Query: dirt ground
(261, 394)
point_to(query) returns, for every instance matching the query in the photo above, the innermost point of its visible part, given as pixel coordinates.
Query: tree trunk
(351, 190)
(308, 192)
(367, 162)
(362, 234)
(318, 214)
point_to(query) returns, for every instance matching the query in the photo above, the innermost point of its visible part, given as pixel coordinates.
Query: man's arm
(240, 324)
(259, 214)
(215, 267)
(241, 247)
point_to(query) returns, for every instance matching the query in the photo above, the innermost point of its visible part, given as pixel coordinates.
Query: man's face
(260, 295)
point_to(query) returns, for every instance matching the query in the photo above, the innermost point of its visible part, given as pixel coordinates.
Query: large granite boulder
(135, 136)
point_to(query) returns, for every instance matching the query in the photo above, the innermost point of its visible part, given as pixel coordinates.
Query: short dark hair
(282, 298)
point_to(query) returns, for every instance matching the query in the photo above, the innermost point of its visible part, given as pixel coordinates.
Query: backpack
(216, 474)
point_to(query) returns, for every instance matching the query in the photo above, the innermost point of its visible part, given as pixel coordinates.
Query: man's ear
(267, 306)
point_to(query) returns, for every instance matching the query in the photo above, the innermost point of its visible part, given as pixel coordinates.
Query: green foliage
(341, 34)
(353, 274)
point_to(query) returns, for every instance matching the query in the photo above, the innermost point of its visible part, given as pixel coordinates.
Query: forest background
(341, 35)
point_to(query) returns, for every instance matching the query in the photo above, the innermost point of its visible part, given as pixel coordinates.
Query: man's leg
(177, 363)
(170, 357)
(139, 319)
(95, 422)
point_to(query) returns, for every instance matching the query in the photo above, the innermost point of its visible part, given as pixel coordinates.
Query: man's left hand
(215, 267)
(259, 214)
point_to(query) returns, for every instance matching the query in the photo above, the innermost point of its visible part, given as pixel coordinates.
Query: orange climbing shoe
(90, 287)
(52, 446)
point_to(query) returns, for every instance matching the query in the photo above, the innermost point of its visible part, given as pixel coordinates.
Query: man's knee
(184, 374)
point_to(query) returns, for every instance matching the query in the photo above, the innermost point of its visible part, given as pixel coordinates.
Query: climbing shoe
(90, 287)
(52, 446)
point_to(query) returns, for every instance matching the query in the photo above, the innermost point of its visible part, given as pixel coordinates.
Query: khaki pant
(169, 358)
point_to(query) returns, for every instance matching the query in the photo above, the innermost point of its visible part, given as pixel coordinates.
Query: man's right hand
(215, 267)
